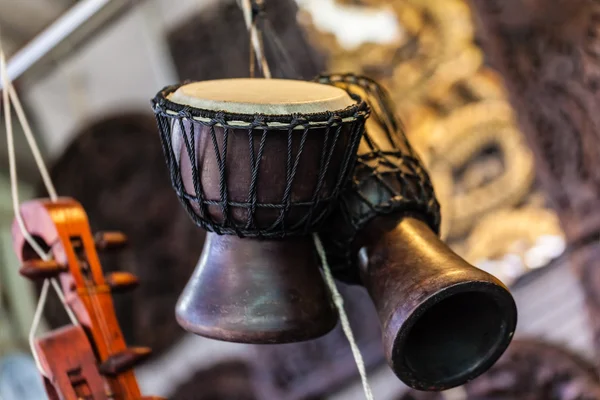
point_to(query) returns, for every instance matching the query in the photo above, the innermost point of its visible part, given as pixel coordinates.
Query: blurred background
(88, 102)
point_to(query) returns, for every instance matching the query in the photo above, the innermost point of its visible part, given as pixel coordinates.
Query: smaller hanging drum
(444, 321)
(259, 163)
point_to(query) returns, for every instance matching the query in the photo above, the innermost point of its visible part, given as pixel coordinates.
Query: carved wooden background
(549, 55)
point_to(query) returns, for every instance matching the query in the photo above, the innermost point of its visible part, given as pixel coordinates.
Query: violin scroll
(90, 360)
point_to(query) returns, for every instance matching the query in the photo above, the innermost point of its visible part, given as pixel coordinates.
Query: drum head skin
(262, 96)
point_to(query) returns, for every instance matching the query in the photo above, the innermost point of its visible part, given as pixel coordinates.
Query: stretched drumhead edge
(262, 96)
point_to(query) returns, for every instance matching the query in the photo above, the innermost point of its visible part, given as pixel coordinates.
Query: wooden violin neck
(92, 363)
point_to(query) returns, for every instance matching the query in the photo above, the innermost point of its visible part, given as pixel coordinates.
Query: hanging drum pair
(262, 164)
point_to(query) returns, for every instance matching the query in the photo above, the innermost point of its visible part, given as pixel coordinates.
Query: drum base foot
(257, 291)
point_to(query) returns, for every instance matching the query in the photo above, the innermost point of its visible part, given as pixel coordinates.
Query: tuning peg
(40, 269)
(110, 240)
(121, 281)
(124, 360)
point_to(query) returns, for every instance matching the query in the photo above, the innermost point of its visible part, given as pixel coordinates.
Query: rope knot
(299, 120)
(333, 119)
(219, 119)
(186, 113)
(259, 122)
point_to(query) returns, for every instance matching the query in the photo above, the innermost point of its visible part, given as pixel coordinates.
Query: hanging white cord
(32, 143)
(337, 297)
(257, 43)
(338, 300)
(9, 93)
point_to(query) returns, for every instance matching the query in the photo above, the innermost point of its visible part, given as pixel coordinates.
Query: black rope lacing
(223, 214)
(386, 181)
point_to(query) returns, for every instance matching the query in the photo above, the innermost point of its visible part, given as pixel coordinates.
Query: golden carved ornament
(484, 185)
(456, 113)
(511, 242)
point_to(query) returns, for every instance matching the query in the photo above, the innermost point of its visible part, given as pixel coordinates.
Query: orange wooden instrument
(90, 361)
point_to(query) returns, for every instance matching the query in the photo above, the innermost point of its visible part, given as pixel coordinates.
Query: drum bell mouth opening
(453, 336)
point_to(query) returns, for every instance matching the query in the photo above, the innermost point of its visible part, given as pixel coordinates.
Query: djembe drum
(444, 321)
(258, 163)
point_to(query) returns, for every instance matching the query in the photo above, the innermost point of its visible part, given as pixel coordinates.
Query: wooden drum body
(260, 165)
(444, 321)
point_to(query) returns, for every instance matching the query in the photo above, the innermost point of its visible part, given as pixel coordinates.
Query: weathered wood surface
(549, 54)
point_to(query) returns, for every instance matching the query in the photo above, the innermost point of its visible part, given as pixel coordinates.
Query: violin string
(104, 330)
(338, 300)
(9, 94)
